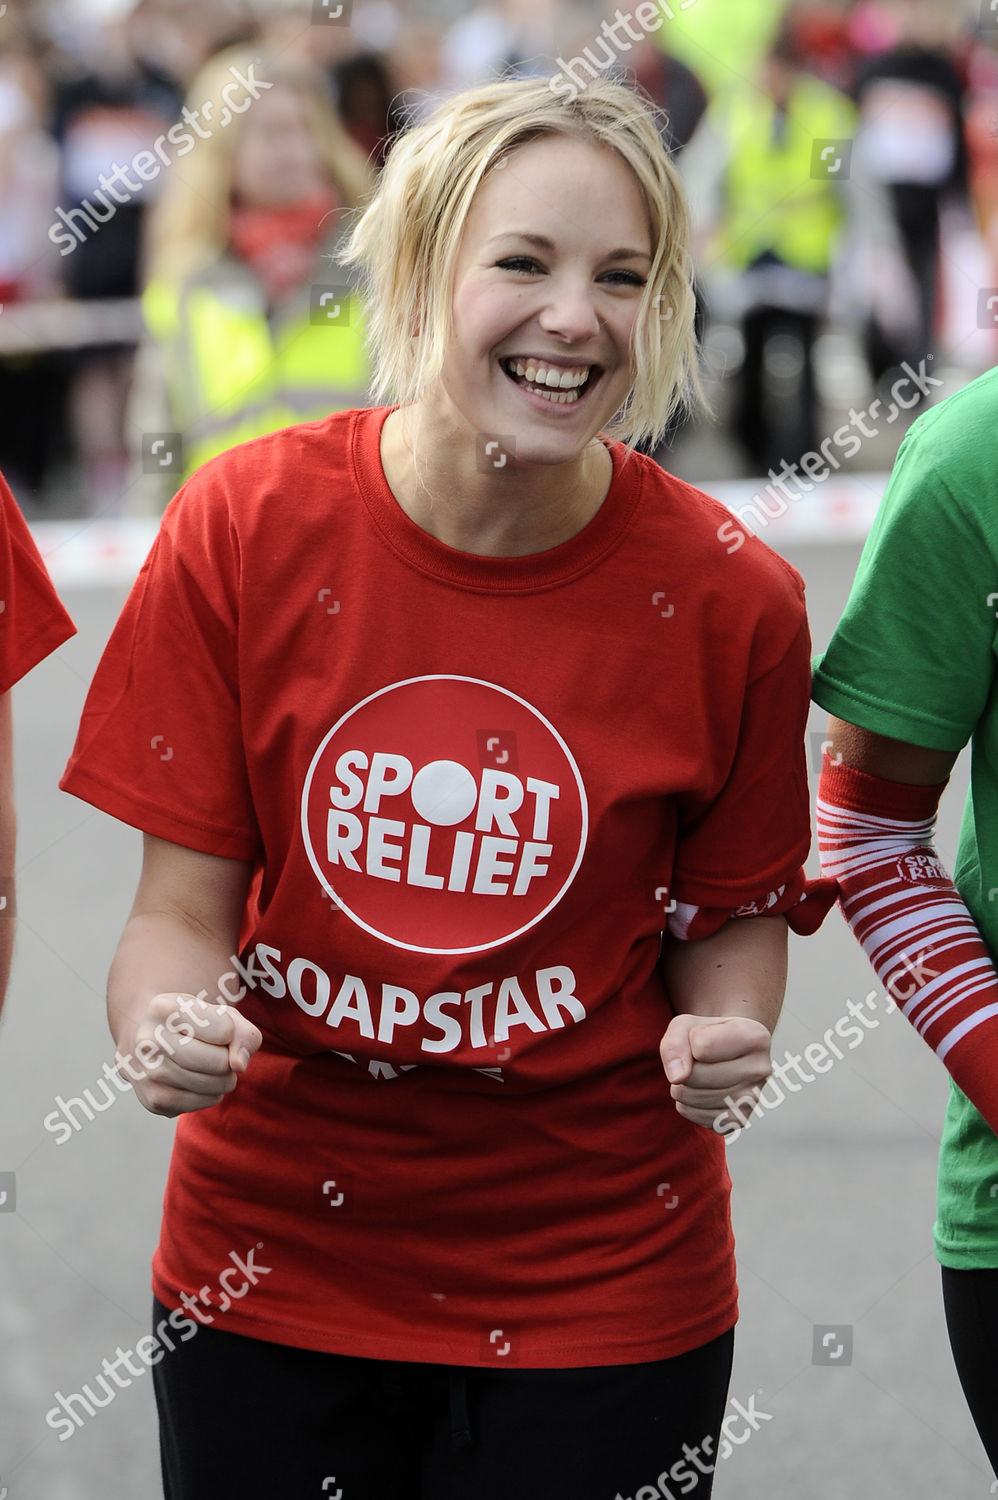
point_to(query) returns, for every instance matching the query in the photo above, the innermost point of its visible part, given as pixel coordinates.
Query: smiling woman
(411, 236)
(466, 1093)
(542, 250)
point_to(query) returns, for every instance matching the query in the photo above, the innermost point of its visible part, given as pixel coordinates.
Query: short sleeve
(33, 621)
(913, 656)
(755, 834)
(161, 743)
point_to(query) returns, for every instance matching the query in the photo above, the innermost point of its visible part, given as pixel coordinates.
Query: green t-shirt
(914, 658)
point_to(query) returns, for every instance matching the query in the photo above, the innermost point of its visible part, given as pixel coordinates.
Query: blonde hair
(408, 238)
(188, 227)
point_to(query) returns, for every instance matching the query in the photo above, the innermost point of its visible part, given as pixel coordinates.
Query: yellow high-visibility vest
(722, 43)
(232, 374)
(782, 191)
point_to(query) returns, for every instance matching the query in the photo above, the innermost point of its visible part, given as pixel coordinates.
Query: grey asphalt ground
(833, 1199)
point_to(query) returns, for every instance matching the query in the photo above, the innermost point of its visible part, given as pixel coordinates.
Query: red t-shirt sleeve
(33, 621)
(160, 743)
(754, 836)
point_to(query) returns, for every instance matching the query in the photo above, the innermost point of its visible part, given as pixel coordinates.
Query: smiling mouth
(560, 386)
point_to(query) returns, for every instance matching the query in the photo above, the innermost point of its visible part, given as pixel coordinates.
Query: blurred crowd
(175, 176)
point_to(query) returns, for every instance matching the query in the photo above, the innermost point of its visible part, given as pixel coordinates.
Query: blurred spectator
(722, 43)
(105, 113)
(872, 27)
(414, 59)
(911, 139)
(366, 100)
(32, 386)
(357, 57)
(505, 37)
(824, 43)
(677, 91)
(674, 87)
(288, 29)
(240, 253)
(982, 147)
(777, 216)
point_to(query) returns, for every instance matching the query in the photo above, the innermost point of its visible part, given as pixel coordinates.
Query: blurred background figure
(415, 62)
(767, 173)
(677, 91)
(674, 87)
(359, 60)
(825, 43)
(32, 384)
(111, 103)
(982, 152)
(510, 36)
(824, 287)
(910, 138)
(719, 42)
(366, 99)
(251, 328)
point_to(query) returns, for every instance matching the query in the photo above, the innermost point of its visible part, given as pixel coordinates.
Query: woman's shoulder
(700, 534)
(284, 476)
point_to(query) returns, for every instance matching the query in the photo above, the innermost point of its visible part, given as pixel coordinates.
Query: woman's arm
(727, 992)
(184, 1051)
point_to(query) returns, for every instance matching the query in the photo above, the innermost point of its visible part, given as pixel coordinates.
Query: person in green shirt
(909, 678)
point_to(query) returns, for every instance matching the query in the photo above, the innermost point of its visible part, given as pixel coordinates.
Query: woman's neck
(484, 502)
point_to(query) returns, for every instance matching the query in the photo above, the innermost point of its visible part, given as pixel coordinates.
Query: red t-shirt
(472, 786)
(33, 621)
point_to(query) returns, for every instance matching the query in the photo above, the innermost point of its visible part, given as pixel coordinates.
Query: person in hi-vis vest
(252, 329)
(770, 174)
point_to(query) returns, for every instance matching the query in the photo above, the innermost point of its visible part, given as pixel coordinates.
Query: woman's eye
(526, 265)
(518, 263)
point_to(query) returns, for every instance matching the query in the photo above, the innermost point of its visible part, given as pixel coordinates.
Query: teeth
(538, 373)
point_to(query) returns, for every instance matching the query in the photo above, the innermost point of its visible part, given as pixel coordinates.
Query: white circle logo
(433, 798)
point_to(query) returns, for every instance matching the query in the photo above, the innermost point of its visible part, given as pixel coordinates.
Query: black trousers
(971, 1302)
(242, 1417)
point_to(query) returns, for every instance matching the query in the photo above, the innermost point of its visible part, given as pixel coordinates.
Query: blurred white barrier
(63, 323)
(107, 553)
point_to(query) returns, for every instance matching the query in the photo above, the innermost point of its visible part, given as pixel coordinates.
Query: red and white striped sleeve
(875, 840)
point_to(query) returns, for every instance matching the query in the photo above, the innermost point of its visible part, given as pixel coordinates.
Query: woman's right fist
(188, 1053)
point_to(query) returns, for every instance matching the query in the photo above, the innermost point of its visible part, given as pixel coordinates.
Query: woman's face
(276, 162)
(549, 275)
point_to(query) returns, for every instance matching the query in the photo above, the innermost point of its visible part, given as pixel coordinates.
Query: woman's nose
(571, 310)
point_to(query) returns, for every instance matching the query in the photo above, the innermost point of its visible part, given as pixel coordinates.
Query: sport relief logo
(921, 866)
(444, 815)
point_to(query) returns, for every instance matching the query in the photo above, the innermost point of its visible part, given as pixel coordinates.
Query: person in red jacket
(456, 703)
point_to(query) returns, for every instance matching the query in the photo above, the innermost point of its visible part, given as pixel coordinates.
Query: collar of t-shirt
(468, 570)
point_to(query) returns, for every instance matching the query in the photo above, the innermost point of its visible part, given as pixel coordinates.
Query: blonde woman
(472, 698)
(239, 255)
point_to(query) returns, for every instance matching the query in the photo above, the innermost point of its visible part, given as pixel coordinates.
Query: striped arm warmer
(875, 839)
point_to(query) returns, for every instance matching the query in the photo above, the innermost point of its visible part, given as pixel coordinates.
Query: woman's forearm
(160, 953)
(740, 971)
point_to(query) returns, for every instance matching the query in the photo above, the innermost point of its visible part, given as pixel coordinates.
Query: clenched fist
(190, 1053)
(714, 1063)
